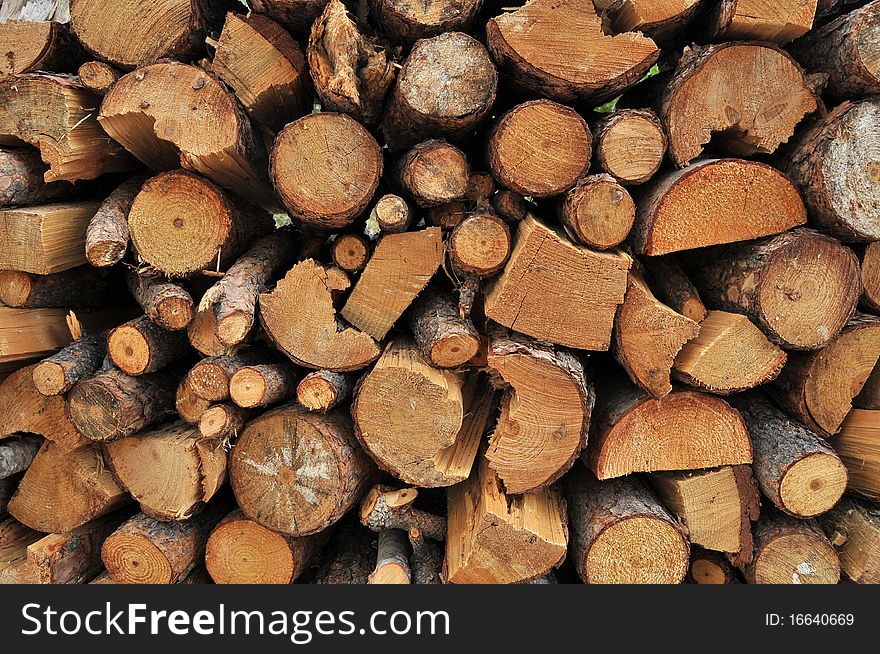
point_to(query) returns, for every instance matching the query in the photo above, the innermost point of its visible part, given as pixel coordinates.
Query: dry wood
(480, 189)
(857, 446)
(663, 20)
(107, 235)
(510, 205)
(16, 454)
(21, 180)
(708, 567)
(189, 405)
(393, 214)
(629, 145)
(83, 286)
(167, 304)
(433, 173)
(262, 384)
(426, 559)
(223, 421)
(58, 373)
(853, 527)
(870, 269)
(407, 22)
(140, 346)
(392, 559)
(444, 338)
(349, 556)
(386, 508)
(200, 333)
(98, 76)
(210, 377)
(479, 245)
(869, 397)
(296, 15)
(30, 45)
(351, 252)
(779, 21)
(322, 390)
(597, 212)
(671, 285)
(448, 215)
(14, 540)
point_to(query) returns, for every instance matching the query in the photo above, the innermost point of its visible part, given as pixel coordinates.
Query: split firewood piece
(189, 405)
(265, 67)
(479, 245)
(407, 22)
(113, 405)
(870, 269)
(181, 223)
(445, 89)
(299, 318)
(83, 286)
(539, 148)
(716, 506)
(498, 539)
(393, 214)
(629, 145)
(45, 239)
(799, 287)
(869, 397)
(686, 430)
(262, 384)
(796, 470)
(349, 557)
(58, 373)
(708, 567)
(223, 421)
(296, 15)
(597, 212)
(144, 550)
(818, 387)
(856, 445)
(326, 168)
(426, 559)
(662, 21)
(571, 303)
(210, 377)
(98, 76)
(648, 335)
(14, 540)
(835, 166)
(564, 53)
(729, 355)
(756, 20)
(748, 96)
(21, 180)
(168, 305)
(444, 338)
(351, 252)
(545, 411)
(298, 472)
(57, 115)
(433, 173)
(621, 534)
(242, 551)
(24, 409)
(351, 72)
(107, 235)
(29, 45)
(853, 527)
(400, 268)
(150, 112)
(171, 470)
(63, 489)
(715, 201)
(140, 346)
(845, 51)
(16, 454)
(671, 285)
(791, 551)
(322, 390)
(392, 559)
(387, 508)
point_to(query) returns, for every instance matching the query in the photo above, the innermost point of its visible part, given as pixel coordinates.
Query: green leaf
(281, 220)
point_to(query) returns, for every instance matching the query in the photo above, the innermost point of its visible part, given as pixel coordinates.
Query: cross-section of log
(351, 72)
(497, 539)
(818, 387)
(30, 45)
(98, 76)
(242, 551)
(392, 213)
(853, 527)
(870, 269)
(16, 454)
(181, 223)
(433, 173)
(670, 283)
(223, 421)
(799, 287)
(405, 21)
(730, 354)
(168, 305)
(297, 472)
(45, 239)
(629, 145)
(716, 506)
(791, 551)
(648, 335)
(65, 489)
(263, 384)
(326, 168)
(571, 302)
(58, 373)
(296, 15)
(211, 376)
(299, 318)
(479, 245)
(83, 286)
(171, 471)
(324, 389)
(558, 49)
(597, 212)
(384, 507)
(858, 446)
(351, 252)
(744, 97)
(708, 567)
(392, 559)
(140, 346)
(621, 534)
(171, 114)
(846, 49)
(686, 430)
(21, 179)
(57, 116)
(189, 405)
(545, 412)
(715, 201)
(107, 234)
(445, 89)
(510, 205)
(662, 20)
(400, 268)
(444, 338)
(835, 165)
(759, 20)
(265, 67)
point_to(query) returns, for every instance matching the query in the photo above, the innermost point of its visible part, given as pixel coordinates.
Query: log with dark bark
(392, 559)
(426, 559)
(385, 507)
(322, 390)
(107, 235)
(98, 76)
(263, 384)
(21, 180)
(856, 445)
(16, 454)
(433, 173)
(58, 373)
(349, 556)
(83, 287)
(597, 212)
(444, 338)
(853, 528)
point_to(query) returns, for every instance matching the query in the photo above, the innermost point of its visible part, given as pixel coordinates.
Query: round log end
(812, 485)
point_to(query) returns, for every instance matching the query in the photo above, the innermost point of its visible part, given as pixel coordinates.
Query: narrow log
(189, 405)
(853, 527)
(407, 22)
(510, 205)
(392, 559)
(98, 76)
(433, 173)
(393, 214)
(856, 445)
(140, 346)
(262, 384)
(386, 508)
(16, 454)
(351, 252)
(210, 377)
(324, 389)
(83, 286)
(629, 145)
(448, 215)
(708, 567)
(597, 212)
(444, 338)
(671, 285)
(426, 559)
(479, 245)
(168, 305)
(21, 180)
(107, 235)
(480, 189)
(223, 421)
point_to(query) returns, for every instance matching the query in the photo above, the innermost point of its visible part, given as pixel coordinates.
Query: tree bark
(385, 508)
(83, 287)
(263, 384)
(853, 527)
(16, 454)
(444, 338)
(107, 235)
(21, 180)
(168, 305)
(392, 559)
(322, 390)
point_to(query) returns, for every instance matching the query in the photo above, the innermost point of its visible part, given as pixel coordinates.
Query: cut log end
(598, 212)
(630, 145)
(480, 244)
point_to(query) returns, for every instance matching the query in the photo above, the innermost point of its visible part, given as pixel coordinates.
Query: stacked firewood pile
(441, 292)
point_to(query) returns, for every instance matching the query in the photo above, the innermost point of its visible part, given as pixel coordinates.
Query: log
(856, 445)
(510, 205)
(351, 72)
(445, 89)
(107, 235)
(733, 91)
(181, 223)
(242, 551)
(200, 333)
(407, 22)
(870, 269)
(16, 454)
(564, 54)
(597, 212)
(480, 189)
(171, 471)
(140, 346)
(662, 21)
(853, 528)
(83, 286)
(168, 305)
(299, 318)
(869, 397)
(708, 567)
(670, 284)
(426, 559)
(58, 373)
(223, 421)
(570, 303)
(448, 215)
(322, 390)
(729, 355)
(493, 539)
(400, 268)
(260, 385)
(545, 411)
(629, 145)
(63, 490)
(444, 339)
(715, 201)
(98, 76)
(744, 20)
(648, 335)
(791, 551)
(796, 470)
(21, 180)
(265, 67)
(392, 559)
(351, 252)
(297, 472)
(189, 405)
(30, 45)
(386, 508)
(393, 214)
(621, 534)
(297, 16)
(433, 173)
(479, 245)
(210, 377)
(799, 287)
(42, 110)
(14, 540)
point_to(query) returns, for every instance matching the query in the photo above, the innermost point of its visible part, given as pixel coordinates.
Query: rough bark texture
(443, 337)
(426, 559)
(392, 559)
(168, 305)
(140, 346)
(322, 390)
(107, 235)
(263, 384)
(21, 180)
(16, 454)
(58, 373)
(386, 507)
(83, 287)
